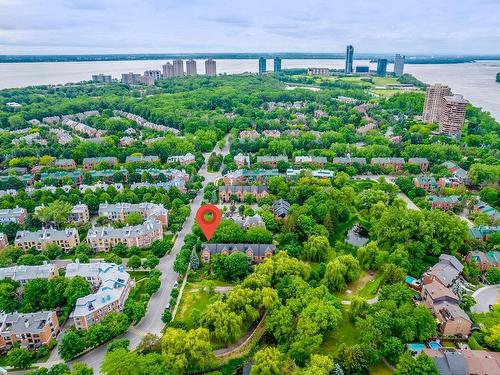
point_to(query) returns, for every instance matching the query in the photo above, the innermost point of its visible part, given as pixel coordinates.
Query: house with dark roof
(423, 163)
(272, 160)
(394, 163)
(448, 362)
(453, 321)
(280, 208)
(239, 192)
(443, 203)
(447, 270)
(256, 253)
(428, 183)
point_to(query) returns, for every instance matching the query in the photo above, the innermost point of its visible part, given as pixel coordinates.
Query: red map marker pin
(208, 218)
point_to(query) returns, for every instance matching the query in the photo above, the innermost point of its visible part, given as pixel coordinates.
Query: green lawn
(362, 287)
(345, 333)
(138, 275)
(370, 288)
(194, 297)
(380, 369)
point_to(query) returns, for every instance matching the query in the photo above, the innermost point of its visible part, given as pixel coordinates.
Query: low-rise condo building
(67, 239)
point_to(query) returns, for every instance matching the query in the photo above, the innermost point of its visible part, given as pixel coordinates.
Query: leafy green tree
(166, 317)
(134, 262)
(423, 365)
(56, 212)
(71, 345)
(151, 262)
(134, 218)
(77, 287)
(392, 349)
(187, 351)
(318, 365)
(59, 369)
(267, 361)
(52, 251)
(367, 255)
(35, 295)
(224, 324)
(258, 235)
(19, 358)
(8, 296)
(353, 359)
(493, 276)
(316, 249)
(118, 344)
(81, 369)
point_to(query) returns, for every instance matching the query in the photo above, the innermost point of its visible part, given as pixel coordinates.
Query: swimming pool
(410, 280)
(416, 346)
(434, 345)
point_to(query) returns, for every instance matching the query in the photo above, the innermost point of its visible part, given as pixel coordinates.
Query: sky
(204, 26)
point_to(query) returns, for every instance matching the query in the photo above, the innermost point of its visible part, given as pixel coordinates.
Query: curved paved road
(485, 297)
(152, 323)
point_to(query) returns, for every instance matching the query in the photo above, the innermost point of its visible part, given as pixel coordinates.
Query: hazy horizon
(427, 27)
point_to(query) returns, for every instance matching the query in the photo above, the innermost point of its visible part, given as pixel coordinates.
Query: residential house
(451, 361)
(119, 211)
(23, 274)
(142, 159)
(457, 172)
(434, 292)
(67, 239)
(271, 133)
(14, 215)
(182, 159)
(311, 160)
(75, 175)
(113, 287)
(256, 253)
(65, 163)
(482, 232)
(423, 163)
(226, 192)
(29, 331)
(90, 163)
(272, 160)
(453, 321)
(249, 222)
(449, 182)
(318, 113)
(126, 141)
(241, 160)
(428, 183)
(394, 163)
(80, 213)
(348, 160)
(447, 270)
(443, 203)
(366, 128)
(248, 135)
(143, 235)
(481, 207)
(242, 176)
(484, 260)
(281, 208)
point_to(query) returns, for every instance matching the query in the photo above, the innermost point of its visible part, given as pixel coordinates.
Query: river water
(475, 81)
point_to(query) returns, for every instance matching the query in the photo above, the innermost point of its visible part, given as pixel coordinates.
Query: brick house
(226, 192)
(425, 182)
(423, 163)
(90, 163)
(443, 203)
(272, 160)
(256, 253)
(394, 163)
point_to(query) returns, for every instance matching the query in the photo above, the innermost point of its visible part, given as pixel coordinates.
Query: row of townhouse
(239, 192)
(484, 260)
(13, 215)
(485, 208)
(256, 253)
(28, 331)
(79, 213)
(429, 183)
(186, 159)
(443, 203)
(83, 128)
(242, 176)
(99, 238)
(90, 163)
(438, 295)
(63, 137)
(386, 162)
(142, 122)
(119, 211)
(102, 239)
(457, 172)
(112, 285)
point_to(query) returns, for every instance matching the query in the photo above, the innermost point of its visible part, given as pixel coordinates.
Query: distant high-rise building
(277, 64)
(210, 67)
(168, 70)
(262, 65)
(452, 115)
(191, 67)
(156, 74)
(382, 67)
(349, 58)
(131, 78)
(399, 65)
(178, 68)
(101, 78)
(434, 102)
